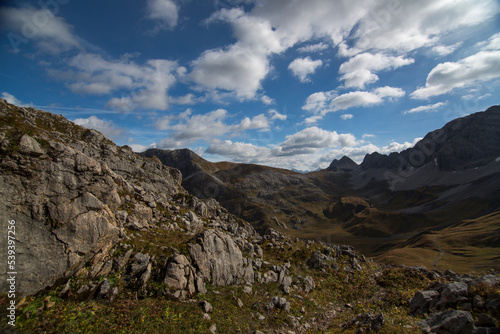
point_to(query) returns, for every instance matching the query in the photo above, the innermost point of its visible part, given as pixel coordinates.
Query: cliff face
(75, 196)
(63, 185)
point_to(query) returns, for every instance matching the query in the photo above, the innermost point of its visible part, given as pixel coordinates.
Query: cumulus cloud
(493, 43)
(346, 116)
(321, 103)
(381, 27)
(266, 100)
(313, 138)
(51, 33)
(147, 84)
(444, 50)
(11, 99)
(164, 11)
(448, 76)
(187, 128)
(426, 108)
(358, 153)
(107, 128)
(359, 70)
(242, 66)
(240, 152)
(404, 26)
(306, 150)
(276, 115)
(303, 67)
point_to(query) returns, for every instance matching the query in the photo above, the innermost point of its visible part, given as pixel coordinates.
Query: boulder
(449, 322)
(219, 260)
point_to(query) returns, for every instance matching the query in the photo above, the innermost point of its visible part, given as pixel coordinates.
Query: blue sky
(292, 84)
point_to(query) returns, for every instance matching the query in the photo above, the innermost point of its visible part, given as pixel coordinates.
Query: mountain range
(99, 239)
(398, 208)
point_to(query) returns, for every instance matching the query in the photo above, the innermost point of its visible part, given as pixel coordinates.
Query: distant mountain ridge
(467, 142)
(451, 175)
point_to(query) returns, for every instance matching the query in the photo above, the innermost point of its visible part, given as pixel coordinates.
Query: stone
(247, 289)
(28, 145)
(139, 264)
(450, 322)
(278, 302)
(239, 302)
(206, 306)
(309, 284)
(367, 321)
(485, 320)
(422, 301)
(219, 260)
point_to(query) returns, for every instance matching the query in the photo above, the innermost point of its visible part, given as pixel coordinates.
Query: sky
(284, 83)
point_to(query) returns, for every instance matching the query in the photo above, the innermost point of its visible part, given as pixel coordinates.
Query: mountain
(451, 175)
(345, 164)
(99, 239)
(463, 143)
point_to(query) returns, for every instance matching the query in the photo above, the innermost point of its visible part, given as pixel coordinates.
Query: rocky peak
(344, 165)
(464, 143)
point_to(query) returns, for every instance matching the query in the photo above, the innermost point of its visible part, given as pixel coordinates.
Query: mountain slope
(107, 241)
(451, 175)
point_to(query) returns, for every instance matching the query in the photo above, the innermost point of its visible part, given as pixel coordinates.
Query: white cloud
(390, 92)
(359, 70)
(51, 33)
(346, 116)
(165, 11)
(107, 128)
(187, 128)
(381, 27)
(444, 50)
(276, 115)
(493, 43)
(445, 77)
(258, 122)
(311, 139)
(321, 103)
(11, 99)
(266, 100)
(139, 148)
(358, 153)
(408, 25)
(147, 85)
(426, 108)
(368, 135)
(240, 152)
(313, 119)
(303, 67)
(313, 48)
(242, 66)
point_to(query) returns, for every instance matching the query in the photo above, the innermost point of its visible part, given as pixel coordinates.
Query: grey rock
(206, 306)
(485, 320)
(422, 301)
(309, 284)
(219, 260)
(450, 322)
(278, 302)
(29, 145)
(139, 264)
(367, 321)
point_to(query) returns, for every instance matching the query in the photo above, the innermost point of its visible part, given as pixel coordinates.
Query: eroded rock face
(62, 185)
(219, 260)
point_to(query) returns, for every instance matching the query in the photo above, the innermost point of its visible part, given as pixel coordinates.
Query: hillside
(451, 175)
(107, 241)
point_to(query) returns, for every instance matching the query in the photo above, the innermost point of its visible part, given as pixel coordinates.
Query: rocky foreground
(110, 242)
